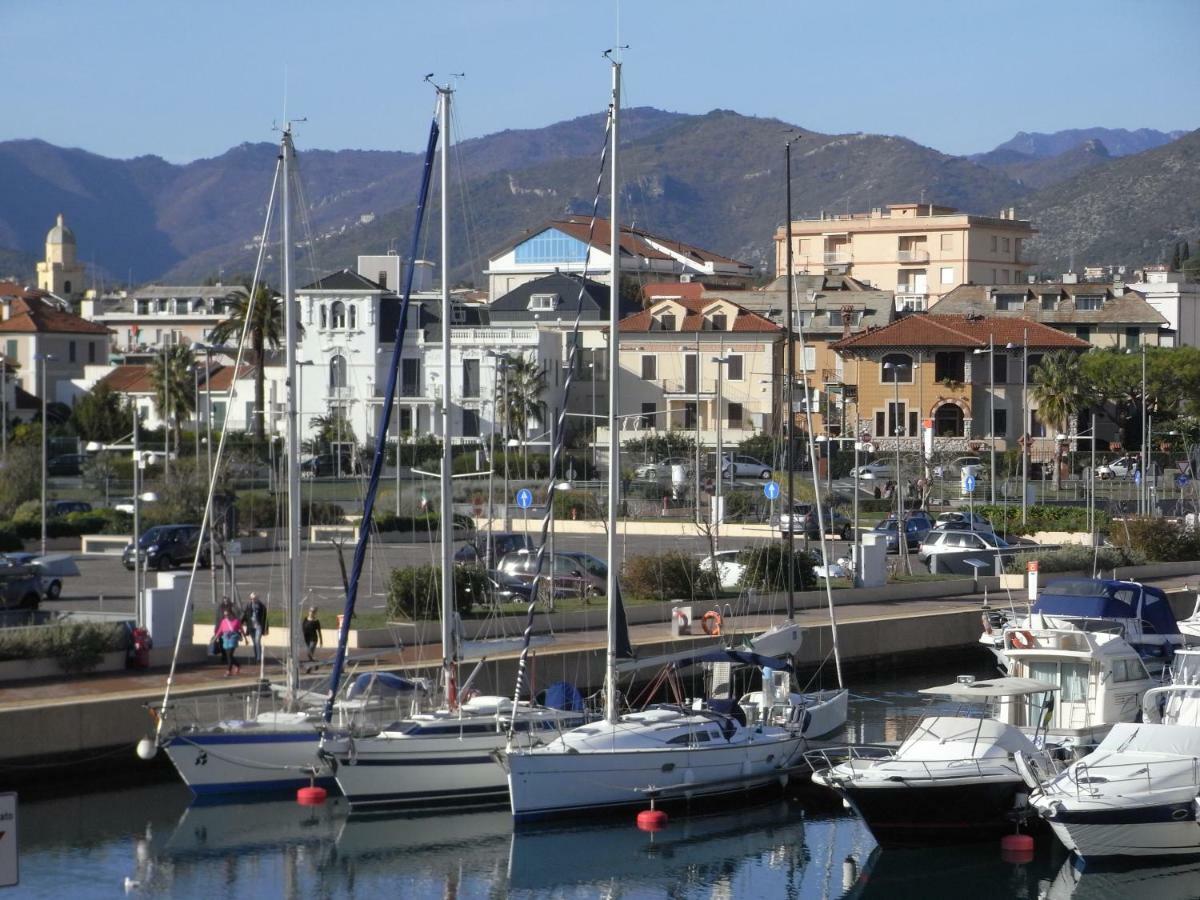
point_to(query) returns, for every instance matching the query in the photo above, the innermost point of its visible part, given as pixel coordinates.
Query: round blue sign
(969, 483)
(1181, 480)
(1137, 477)
(524, 498)
(771, 490)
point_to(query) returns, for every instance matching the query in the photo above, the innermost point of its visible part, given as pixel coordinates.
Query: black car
(503, 542)
(166, 546)
(66, 464)
(62, 507)
(327, 464)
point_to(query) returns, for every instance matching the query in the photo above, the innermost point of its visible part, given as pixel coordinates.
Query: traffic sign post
(524, 498)
(771, 490)
(969, 486)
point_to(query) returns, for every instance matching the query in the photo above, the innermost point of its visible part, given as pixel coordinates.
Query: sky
(185, 79)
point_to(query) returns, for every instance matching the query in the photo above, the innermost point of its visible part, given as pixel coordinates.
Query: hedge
(1075, 558)
(766, 568)
(1041, 517)
(414, 591)
(668, 576)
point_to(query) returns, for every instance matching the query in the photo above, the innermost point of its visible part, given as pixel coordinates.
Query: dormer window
(458, 315)
(1010, 301)
(667, 321)
(1089, 301)
(543, 302)
(720, 322)
(1049, 301)
(801, 318)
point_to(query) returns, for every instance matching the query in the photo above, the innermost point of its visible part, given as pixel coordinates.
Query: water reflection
(1178, 880)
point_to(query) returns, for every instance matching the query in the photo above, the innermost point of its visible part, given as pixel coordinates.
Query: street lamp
(990, 352)
(4, 407)
(719, 402)
(1142, 494)
(898, 428)
(43, 358)
(1026, 441)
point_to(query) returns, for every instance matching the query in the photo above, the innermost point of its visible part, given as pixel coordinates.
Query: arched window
(948, 421)
(324, 316)
(337, 371)
(896, 367)
(353, 316)
(338, 315)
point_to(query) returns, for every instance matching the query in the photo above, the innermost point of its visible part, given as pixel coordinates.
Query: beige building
(155, 316)
(918, 250)
(60, 273)
(39, 338)
(670, 378)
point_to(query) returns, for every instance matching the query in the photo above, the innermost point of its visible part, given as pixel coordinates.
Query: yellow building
(918, 250)
(60, 274)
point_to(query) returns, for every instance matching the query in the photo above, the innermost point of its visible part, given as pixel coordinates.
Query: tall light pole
(43, 358)
(898, 430)
(1026, 441)
(1143, 494)
(721, 362)
(4, 407)
(991, 355)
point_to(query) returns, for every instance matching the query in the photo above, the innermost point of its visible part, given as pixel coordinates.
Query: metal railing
(912, 256)
(1082, 775)
(836, 258)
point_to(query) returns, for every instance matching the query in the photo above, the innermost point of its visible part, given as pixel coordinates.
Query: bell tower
(60, 273)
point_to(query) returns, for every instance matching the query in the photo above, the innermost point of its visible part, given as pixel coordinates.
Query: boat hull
(230, 764)
(1164, 829)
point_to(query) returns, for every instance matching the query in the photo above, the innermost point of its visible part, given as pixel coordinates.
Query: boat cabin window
(1128, 670)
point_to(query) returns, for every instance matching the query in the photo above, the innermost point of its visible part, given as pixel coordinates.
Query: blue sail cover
(1093, 598)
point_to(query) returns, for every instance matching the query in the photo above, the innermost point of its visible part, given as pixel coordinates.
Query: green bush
(29, 511)
(659, 446)
(1041, 517)
(766, 568)
(577, 505)
(10, 541)
(414, 591)
(1075, 558)
(763, 447)
(1156, 540)
(743, 505)
(78, 647)
(668, 576)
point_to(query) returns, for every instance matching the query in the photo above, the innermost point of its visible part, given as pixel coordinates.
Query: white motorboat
(1190, 627)
(954, 778)
(1136, 795)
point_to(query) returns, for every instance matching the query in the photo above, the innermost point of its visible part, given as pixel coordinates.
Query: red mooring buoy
(1016, 848)
(652, 820)
(311, 796)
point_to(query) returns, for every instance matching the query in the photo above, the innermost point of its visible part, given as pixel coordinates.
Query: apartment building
(1176, 299)
(918, 250)
(157, 315)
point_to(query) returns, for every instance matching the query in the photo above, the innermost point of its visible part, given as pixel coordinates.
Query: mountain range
(1096, 195)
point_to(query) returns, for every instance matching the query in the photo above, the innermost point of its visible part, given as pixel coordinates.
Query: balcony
(910, 301)
(680, 389)
(837, 258)
(907, 257)
(341, 393)
(494, 337)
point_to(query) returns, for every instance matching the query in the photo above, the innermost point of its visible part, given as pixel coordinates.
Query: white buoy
(147, 749)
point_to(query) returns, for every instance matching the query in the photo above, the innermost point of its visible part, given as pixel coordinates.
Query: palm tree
(265, 312)
(525, 384)
(1058, 387)
(173, 378)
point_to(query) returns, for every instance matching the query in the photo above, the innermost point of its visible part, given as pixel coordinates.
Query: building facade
(39, 337)
(158, 315)
(60, 273)
(1176, 300)
(918, 250)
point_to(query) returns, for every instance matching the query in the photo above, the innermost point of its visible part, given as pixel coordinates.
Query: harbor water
(147, 840)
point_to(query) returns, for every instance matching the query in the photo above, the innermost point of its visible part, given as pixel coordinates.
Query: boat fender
(1022, 640)
(711, 623)
(805, 721)
(987, 623)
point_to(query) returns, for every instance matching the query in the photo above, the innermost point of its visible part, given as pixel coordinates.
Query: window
(720, 322)
(66, 287)
(11, 352)
(649, 368)
(1018, 276)
(896, 367)
(801, 318)
(948, 421)
(1049, 302)
(353, 310)
(382, 279)
(91, 351)
(470, 386)
(912, 422)
(947, 274)
(1133, 339)
(735, 415)
(947, 242)
(543, 302)
(410, 377)
(994, 243)
(470, 423)
(337, 314)
(1083, 332)
(735, 367)
(689, 415)
(551, 246)
(1000, 368)
(999, 421)
(895, 418)
(1034, 360)
(649, 411)
(458, 315)
(1088, 301)
(70, 351)
(1004, 276)
(844, 317)
(880, 425)
(1006, 244)
(1037, 428)
(808, 362)
(337, 371)
(406, 419)
(324, 316)
(949, 366)
(1010, 301)
(667, 321)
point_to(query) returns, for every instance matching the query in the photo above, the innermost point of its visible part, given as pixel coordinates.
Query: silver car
(949, 550)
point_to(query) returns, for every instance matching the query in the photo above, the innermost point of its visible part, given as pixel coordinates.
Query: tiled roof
(345, 280)
(1125, 308)
(222, 376)
(744, 321)
(32, 315)
(933, 330)
(128, 380)
(692, 290)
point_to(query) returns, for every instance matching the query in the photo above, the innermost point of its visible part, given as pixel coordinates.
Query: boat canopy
(992, 687)
(962, 737)
(1094, 598)
(1130, 737)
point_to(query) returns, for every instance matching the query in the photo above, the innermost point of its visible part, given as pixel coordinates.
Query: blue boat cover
(385, 683)
(1095, 598)
(742, 657)
(563, 695)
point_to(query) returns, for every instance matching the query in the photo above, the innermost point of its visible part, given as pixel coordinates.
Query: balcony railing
(341, 393)
(910, 301)
(680, 388)
(912, 256)
(836, 258)
(499, 337)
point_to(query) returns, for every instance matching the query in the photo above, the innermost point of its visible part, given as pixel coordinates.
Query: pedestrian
(254, 623)
(312, 632)
(229, 632)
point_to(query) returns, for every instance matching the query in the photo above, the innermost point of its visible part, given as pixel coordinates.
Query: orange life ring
(711, 623)
(1022, 640)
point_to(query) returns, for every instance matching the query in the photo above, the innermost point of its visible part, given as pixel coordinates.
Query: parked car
(916, 526)
(503, 543)
(575, 574)
(50, 570)
(1118, 468)
(165, 546)
(738, 466)
(874, 470)
(123, 504)
(20, 585)
(325, 465)
(960, 519)
(662, 468)
(953, 548)
(806, 521)
(62, 507)
(65, 464)
(727, 566)
(835, 569)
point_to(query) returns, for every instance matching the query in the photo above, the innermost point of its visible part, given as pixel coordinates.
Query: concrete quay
(55, 728)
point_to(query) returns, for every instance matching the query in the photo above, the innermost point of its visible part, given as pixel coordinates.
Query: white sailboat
(665, 751)
(445, 756)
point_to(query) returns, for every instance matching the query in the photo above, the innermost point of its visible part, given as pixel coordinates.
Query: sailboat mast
(292, 573)
(614, 441)
(449, 652)
(789, 388)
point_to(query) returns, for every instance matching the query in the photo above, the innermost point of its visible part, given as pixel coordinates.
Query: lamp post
(1143, 492)
(990, 352)
(1026, 441)
(898, 430)
(721, 362)
(4, 407)
(43, 358)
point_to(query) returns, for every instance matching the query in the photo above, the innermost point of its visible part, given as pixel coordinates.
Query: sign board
(233, 548)
(1031, 566)
(1031, 579)
(1184, 467)
(524, 498)
(1181, 480)
(10, 873)
(771, 490)
(1137, 477)
(969, 483)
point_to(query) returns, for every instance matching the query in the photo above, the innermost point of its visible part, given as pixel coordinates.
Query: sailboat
(444, 756)
(664, 751)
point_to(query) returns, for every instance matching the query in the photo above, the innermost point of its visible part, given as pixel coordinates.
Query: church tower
(60, 273)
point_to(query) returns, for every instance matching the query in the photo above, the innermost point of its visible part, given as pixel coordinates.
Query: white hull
(224, 762)
(1142, 839)
(546, 783)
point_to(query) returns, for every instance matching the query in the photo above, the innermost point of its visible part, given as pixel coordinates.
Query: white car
(834, 569)
(662, 468)
(745, 467)
(729, 570)
(874, 470)
(967, 465)
(1118, 468)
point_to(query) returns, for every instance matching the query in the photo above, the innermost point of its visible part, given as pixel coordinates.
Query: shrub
(660, 446)
(583, 505)
(1156, 539)
(763, 447)
(766, 568)
(1075, 558)
(668, 576)
(414, 591)
(29, 511)
(1041, 517)
(78, 647)
(10, 541)
(743, 504)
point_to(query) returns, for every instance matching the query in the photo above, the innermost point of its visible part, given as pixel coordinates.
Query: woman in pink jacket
(229, 633)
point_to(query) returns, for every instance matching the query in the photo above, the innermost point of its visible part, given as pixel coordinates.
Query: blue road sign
(771, 490)
(1137, 477)
(524, 498)
(969, 483)
(1181, 480)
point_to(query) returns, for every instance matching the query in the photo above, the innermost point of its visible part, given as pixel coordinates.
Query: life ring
(711, 623)
(1022, 640)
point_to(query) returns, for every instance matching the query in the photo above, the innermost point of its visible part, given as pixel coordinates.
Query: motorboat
(953, 778)
(1190, 627)
(1136, 795)
(1142, 614)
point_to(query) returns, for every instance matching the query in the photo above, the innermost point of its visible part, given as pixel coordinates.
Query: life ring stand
(1022, 640)
(711, 623)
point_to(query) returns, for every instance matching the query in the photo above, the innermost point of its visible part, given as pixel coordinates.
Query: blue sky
(190, 79)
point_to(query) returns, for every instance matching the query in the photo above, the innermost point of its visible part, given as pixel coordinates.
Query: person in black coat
(254, 623)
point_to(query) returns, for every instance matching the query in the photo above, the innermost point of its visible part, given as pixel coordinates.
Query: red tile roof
(128, 380)
(743, 321)
(692, 290)
(222, 376)
(30, 314)
(931, 330)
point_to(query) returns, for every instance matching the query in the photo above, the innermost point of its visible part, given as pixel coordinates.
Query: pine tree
(1175, 262)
